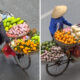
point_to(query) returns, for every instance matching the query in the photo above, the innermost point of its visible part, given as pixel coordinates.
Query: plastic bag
(8, 51)
(76, 51)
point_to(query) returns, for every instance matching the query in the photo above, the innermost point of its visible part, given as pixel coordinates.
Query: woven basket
(64, 46)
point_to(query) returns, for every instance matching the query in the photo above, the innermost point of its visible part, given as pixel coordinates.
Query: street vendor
(3, 36)
(57, 19)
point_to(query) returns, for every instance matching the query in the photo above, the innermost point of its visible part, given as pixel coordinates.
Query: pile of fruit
(11, 21)
(18, 30)
(47, 46)
(67, 29)
(75, 31)
(26, 46)
(36, 38)
(65, 37)
(23, 39)
(54, 54)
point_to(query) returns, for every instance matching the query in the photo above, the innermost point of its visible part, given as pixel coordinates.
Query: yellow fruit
(34, 48)
(22, 42)
(32, 43)
(29, 51)
(25, 51)
(27, 43)
(15, 49)
(21, 47)
(35, 45)
(26, 48)
(18, 51)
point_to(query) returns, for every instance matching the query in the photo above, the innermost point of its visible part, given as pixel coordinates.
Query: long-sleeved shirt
(54, 22)
(3, 36)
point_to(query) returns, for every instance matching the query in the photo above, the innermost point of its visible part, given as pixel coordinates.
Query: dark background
(73, 16)
(28, 10)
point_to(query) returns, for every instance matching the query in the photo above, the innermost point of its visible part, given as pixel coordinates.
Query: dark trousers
(52, 37)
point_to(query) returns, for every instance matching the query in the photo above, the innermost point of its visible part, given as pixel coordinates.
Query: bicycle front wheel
(23, 61)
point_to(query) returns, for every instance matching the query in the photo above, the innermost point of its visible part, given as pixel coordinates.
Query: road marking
(46, 14)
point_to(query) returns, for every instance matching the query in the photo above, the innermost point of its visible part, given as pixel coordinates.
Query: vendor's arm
(66, 22)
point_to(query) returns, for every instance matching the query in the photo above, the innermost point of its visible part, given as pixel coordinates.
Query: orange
(21, 47)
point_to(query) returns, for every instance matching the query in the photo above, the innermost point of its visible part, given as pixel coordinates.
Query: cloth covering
(8, 51)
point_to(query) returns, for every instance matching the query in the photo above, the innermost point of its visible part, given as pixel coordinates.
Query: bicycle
(58, 67)
(22, 60)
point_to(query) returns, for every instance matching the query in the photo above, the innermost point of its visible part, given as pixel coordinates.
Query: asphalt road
(28, 10)
(73, 71)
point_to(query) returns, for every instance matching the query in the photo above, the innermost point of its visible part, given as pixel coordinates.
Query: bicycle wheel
(24, 61)
(57, 68)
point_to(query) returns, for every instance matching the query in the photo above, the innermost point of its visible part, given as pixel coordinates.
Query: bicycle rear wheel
(57, 68)
(23, 61)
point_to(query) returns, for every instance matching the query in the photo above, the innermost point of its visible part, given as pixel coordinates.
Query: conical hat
(59, 11)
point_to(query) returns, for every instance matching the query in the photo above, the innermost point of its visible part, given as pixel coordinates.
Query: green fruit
(4, 24)
(6, 28)
(49, 49)
(46, 42)
(35, 37)
(38, 40)
(48, 45)
(53, 44)
(9, 19)
(18, 19)
(5, 20)
(10, 26)
(20, 22)
(35, 34)
(7, 24)
(12, 18)
(13, 21)
(46, 48)
(32, 38)
(42, 51)
(14, 24)
(43, 47)
(43, 43)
